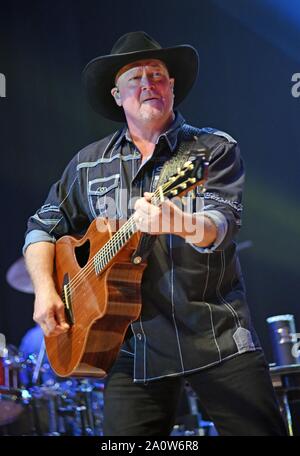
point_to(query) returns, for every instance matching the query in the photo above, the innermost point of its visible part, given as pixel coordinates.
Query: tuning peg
(174, 192)
(189, 165)
(192, 180)
(183, 185)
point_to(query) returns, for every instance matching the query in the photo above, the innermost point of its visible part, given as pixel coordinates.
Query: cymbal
(18, 277)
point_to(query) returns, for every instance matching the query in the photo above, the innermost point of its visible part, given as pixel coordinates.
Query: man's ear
(172, 81)
(116, 94)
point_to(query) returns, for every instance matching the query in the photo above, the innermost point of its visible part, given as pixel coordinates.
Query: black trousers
(236, 394)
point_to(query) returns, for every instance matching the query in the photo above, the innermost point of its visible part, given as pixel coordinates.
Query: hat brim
(99, 73)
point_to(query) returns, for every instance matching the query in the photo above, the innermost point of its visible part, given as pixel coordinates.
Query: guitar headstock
(192, 174)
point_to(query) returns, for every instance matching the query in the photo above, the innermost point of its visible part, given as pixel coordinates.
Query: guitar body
(102, 306)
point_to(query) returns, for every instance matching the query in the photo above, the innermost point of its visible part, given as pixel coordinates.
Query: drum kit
(52, 407)
(33, 400)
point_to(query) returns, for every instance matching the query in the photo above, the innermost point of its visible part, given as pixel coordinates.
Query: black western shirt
(194, 311)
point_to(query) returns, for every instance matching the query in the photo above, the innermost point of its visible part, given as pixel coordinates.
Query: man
(194, 322)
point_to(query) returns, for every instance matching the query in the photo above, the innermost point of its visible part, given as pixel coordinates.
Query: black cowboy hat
(99, 74)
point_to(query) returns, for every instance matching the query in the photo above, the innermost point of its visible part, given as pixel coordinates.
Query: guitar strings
(104, 253)
(108, 247)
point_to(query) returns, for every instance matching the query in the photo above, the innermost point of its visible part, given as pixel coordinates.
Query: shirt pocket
(103, 195)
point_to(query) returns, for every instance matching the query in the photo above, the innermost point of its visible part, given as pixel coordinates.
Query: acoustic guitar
(100, 285)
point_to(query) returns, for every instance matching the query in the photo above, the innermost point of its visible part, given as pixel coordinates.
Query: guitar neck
(119, 239)
(187, 177)
(114, 245)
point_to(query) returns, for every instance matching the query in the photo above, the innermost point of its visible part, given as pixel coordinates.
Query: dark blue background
(249, 50)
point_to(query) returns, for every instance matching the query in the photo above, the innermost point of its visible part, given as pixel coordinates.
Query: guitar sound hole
(82, 253)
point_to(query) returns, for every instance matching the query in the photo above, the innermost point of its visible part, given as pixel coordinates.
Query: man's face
(145, 90)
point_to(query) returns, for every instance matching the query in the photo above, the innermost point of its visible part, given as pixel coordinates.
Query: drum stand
(192, 422)
(39, 363)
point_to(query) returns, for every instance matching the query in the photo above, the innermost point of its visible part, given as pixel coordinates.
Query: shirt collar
(170, 135)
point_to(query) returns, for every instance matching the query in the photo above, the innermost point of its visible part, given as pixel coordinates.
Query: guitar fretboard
(187, 177)
(114, 245)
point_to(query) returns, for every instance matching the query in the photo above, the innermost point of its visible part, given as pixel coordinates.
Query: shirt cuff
(222, 225)
(37, 236)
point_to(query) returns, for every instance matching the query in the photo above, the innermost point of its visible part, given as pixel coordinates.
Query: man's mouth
(150, 99)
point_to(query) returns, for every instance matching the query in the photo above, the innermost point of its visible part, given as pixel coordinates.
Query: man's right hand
(49, 312)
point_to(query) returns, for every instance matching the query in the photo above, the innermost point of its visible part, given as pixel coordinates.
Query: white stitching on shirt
(58, 221)
(45, 221)
(76, 177)
(145, 352)
(109, 144)
(106, 160)
(104, 179)
(93, 212)
(172, 301)
(218, 292)
(134, 359)
(213, 196)
(152, 178)
(48, 209)
(211, 318)
(132, 174)
(175, 374)
(100, 160)
(228, 303)
(126, 351)
(121, 215)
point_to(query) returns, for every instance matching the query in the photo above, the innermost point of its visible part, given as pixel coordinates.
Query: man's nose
(146, 81)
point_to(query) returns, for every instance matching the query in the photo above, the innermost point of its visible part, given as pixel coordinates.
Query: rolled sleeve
(222, 226)
(63, 212)
(37, 236)
(223, 191)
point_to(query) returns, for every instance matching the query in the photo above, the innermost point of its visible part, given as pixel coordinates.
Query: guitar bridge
(67, 302)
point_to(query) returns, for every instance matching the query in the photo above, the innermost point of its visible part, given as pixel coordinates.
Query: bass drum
(13, 398)
(16, 416)
(18, 411)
